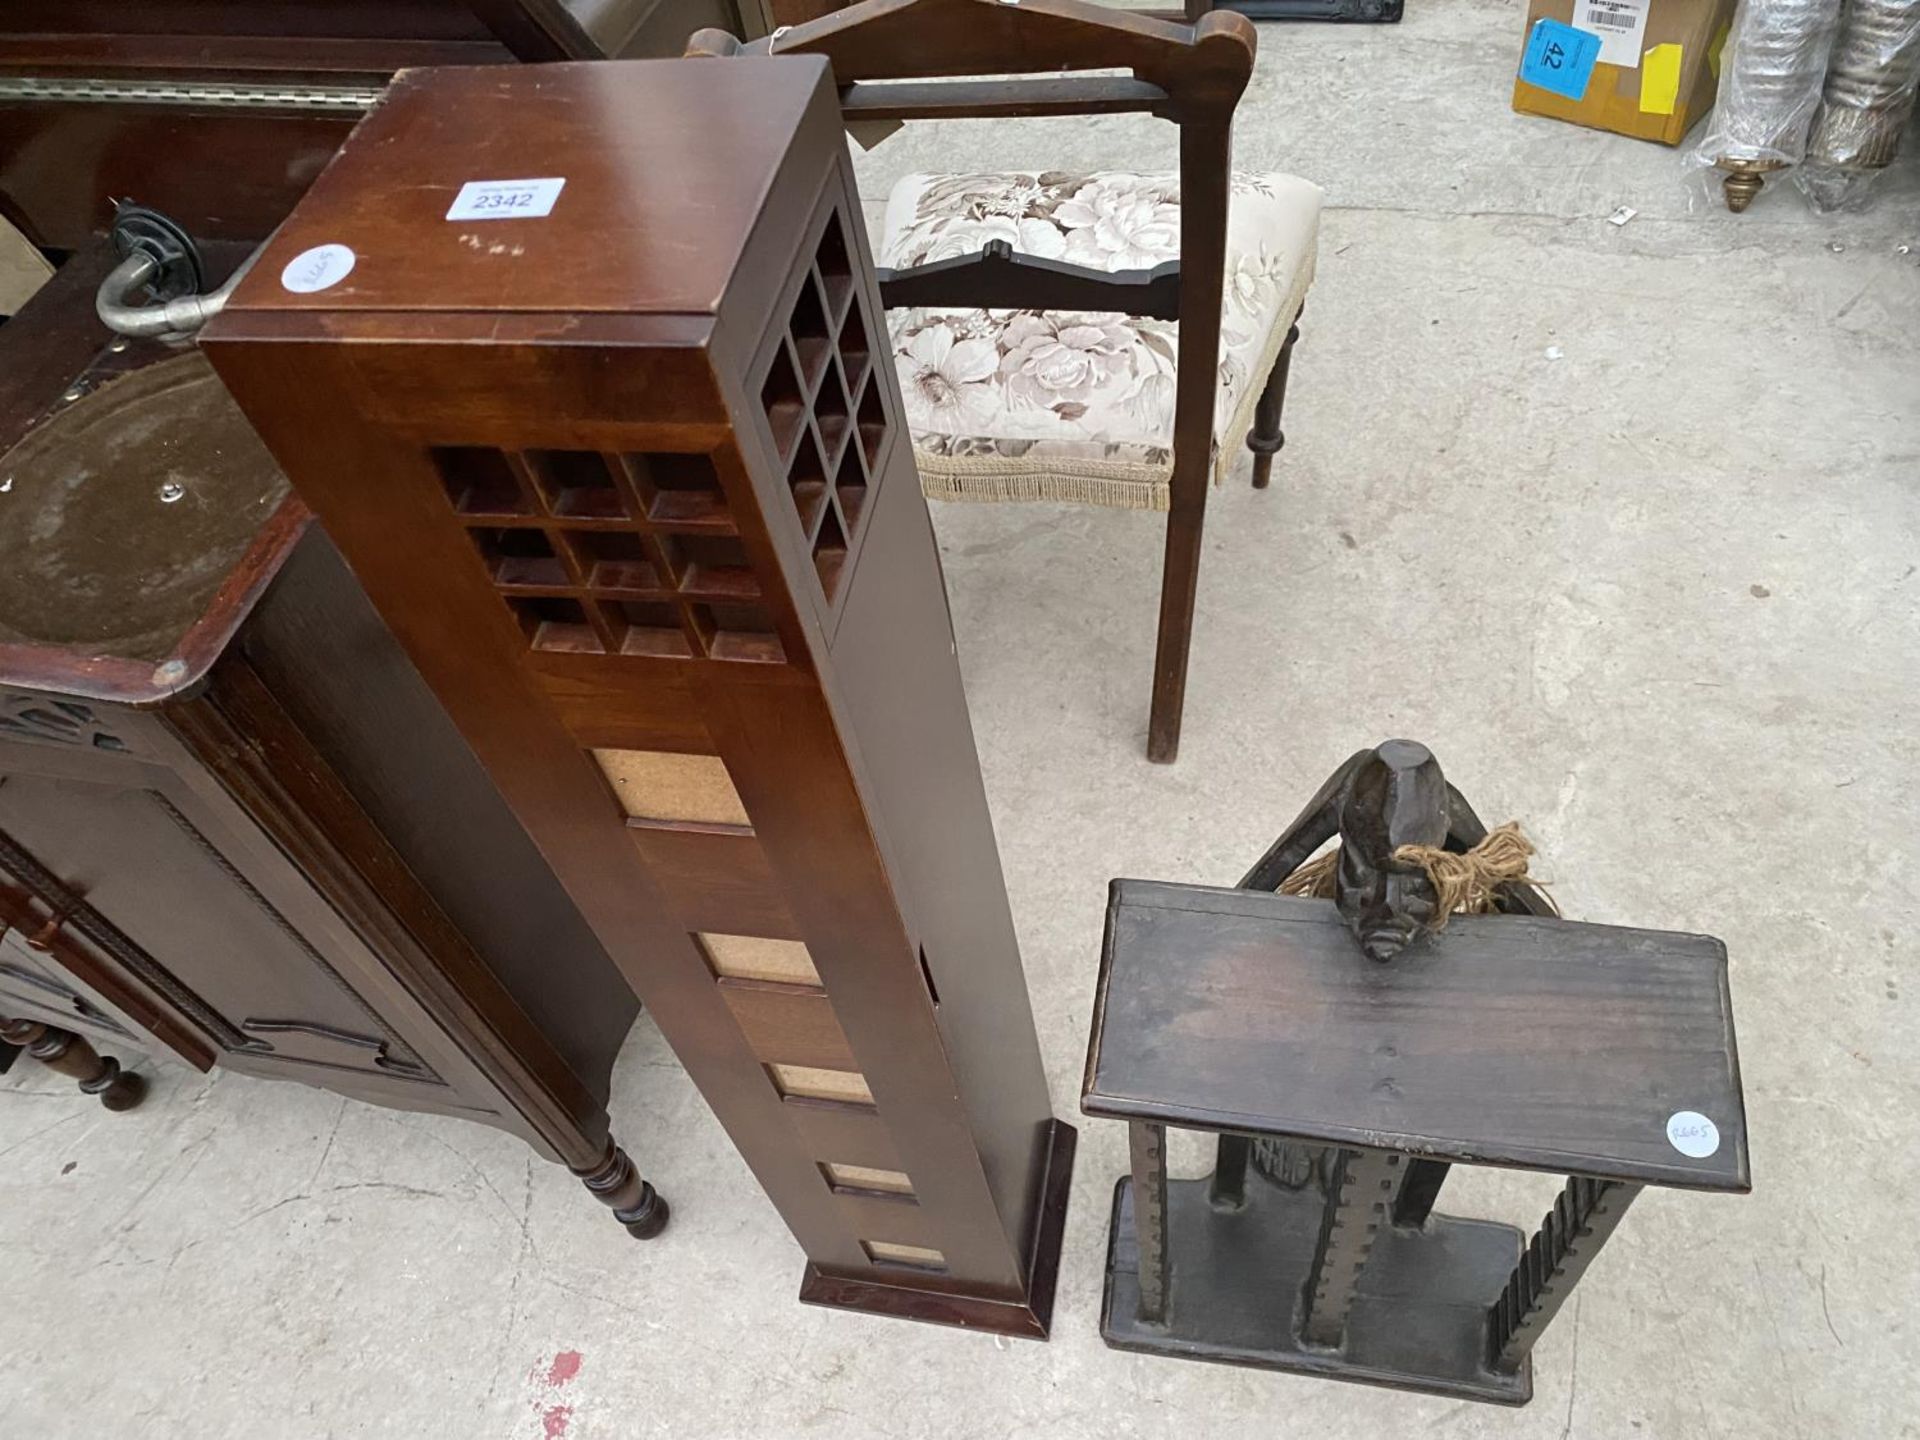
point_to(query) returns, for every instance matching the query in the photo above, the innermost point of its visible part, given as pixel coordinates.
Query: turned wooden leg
(1179, 583)
(1265, 439)
(67, 1054)
(617, 1185)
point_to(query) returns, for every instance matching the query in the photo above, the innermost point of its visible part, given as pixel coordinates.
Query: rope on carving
(1468, 884)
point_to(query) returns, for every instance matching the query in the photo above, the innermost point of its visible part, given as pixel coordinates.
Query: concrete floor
(1655, 598)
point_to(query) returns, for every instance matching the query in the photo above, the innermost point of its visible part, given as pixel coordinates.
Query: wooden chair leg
(1179, 583)
(1265, 439)
(67, 1054)
(617, 1185)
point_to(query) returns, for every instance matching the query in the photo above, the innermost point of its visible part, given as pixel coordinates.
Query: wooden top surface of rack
(668, 166)
(1504, 1040)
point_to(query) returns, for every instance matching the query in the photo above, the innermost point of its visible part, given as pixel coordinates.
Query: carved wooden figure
(1353, 1052)
(626, 477)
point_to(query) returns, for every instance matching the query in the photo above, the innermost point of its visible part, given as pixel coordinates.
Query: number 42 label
(505, 199)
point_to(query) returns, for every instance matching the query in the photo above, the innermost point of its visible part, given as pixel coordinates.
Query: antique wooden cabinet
(234, 824)
(578, 365)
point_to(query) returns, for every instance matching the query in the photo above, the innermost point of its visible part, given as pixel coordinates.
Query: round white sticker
(1692, 1134)
(320, 268)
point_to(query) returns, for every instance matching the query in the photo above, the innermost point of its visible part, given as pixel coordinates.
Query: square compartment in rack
(872, 420)
(577, 484)
(830, 552)
(652, 628)
(678, 489)
(553, 622)
(518, 556)
(480, 482)
(807, 479)
(737, 631)
(856, 352)
(850, 488)
(783, 400)
(713, 567)
(835, 265)
(830, 412)
(812, 332)
(616, 560)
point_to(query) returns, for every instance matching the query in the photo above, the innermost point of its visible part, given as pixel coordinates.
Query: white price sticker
(505, 199)
(320, 268)
(1692, 1134)
(1620, 24)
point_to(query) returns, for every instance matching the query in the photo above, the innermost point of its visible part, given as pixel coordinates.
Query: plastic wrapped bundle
(1868, 99)
(1775, 60)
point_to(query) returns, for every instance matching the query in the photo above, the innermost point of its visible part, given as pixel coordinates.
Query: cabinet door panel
(237, 968)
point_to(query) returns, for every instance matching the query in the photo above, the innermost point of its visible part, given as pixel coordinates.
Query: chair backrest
(903, 59)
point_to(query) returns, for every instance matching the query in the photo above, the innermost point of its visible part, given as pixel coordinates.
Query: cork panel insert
(866, 1177)
(659, 785)
(808, 1082)
(889, 1252)
(750, 957)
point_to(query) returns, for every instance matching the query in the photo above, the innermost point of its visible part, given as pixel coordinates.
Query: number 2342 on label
(505, 199)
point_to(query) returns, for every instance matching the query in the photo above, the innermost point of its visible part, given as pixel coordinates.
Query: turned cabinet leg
(617, 1185)
(1266, 438)
(67, 1054)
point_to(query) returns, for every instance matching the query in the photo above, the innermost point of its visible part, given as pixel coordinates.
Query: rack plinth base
(1029, 1318)
(1418, 1320)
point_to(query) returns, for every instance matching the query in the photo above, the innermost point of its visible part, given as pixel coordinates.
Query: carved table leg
(67, 1054)
(1148, 1147)
(617, 1185)
(1266, 438)
(1360, 1192)
(1562, 1248)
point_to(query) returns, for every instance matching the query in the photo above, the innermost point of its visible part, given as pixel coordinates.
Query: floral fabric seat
(1066, 405)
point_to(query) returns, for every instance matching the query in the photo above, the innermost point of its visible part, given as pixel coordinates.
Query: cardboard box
(1576, 67)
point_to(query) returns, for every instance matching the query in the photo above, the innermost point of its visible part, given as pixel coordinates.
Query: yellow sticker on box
(1660, 79)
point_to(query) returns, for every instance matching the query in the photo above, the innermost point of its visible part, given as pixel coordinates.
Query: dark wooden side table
(600, 416)
(234, 824)
(1600, 1053)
